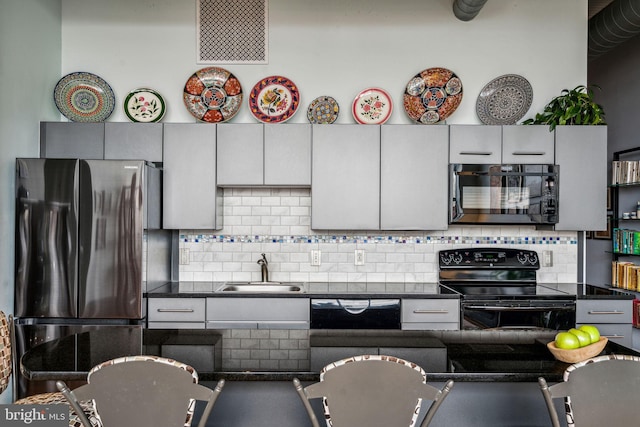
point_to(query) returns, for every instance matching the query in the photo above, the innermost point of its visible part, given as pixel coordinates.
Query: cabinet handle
(430, 311)
(175, 310)
(476, 153)
(605, 312)
(528, 153)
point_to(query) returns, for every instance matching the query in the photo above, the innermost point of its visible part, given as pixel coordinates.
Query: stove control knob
(446, 259)
(523, 258)
(457, 258)
(533, 259)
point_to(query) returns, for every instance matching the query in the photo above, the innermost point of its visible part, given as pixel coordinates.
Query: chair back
(138, 391)
(599, 391)
(5, 351)
(374, 391)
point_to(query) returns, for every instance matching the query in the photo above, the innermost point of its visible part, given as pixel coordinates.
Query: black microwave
(503, 194)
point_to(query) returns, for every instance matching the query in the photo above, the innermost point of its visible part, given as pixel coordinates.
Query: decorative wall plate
(274, 99)
(323, 110)
(84, 97)
(432, 95)
(372, 106)
(212, 95)
(504, 100)
(144, 105)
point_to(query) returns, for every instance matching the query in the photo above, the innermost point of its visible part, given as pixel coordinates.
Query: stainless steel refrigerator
(88, 243)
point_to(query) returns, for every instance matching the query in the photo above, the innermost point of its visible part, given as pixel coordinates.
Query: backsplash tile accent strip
(277, 222)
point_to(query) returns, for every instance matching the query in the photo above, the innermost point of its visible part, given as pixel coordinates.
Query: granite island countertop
(480, 356)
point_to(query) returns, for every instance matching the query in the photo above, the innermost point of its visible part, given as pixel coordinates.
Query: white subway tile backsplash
(277, 222)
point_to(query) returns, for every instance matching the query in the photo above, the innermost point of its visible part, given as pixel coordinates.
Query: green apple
(583, 337)
(593, 332)
(567, 340)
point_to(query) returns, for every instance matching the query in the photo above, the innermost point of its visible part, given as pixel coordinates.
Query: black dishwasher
(359, 313)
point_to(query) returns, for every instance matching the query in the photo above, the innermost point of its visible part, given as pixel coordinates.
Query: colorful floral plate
(323, 110)
(372, 106)
(274, 99)
(432, 95)
(84, 97)
(504, 100)
(144, 105)
(212, 95)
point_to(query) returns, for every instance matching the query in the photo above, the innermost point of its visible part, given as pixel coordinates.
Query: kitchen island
(495, 372)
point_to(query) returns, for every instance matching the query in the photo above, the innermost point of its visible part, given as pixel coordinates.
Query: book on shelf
(626, 241)
(625, 172)
(625, 275)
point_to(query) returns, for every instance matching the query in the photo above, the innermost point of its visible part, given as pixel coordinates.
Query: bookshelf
(625, 221)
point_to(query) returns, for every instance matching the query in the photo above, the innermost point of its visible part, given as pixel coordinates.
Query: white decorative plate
(274, 99)
(212, 95)
(84, 97)
(323, 110)
(144, 105)
(372, 106)
(504, 100)
(432, 95)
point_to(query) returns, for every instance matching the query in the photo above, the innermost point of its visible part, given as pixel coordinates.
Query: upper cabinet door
(189, 177)
(525, 144)
(71, 140)
(240, 154)
(414, 176)
(345, 183)
(581, 153)
(287, 155)
(474, 144)
(133, 141)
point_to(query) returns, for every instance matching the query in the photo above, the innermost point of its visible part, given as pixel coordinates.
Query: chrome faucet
(265, 270)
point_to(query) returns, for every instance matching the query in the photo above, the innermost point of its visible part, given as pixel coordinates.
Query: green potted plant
(572, 107)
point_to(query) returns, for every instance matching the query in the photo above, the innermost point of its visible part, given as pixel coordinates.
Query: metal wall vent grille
(232, 31)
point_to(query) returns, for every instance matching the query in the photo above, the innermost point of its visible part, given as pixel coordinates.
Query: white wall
(336, 48)
(29, 63)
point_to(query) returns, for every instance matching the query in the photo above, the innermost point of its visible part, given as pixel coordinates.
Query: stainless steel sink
(262, 287)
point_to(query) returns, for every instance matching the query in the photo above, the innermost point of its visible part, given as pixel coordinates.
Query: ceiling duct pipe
(466, 10)
(612, 26)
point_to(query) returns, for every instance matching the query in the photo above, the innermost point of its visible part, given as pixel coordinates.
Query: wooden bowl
(577, 354)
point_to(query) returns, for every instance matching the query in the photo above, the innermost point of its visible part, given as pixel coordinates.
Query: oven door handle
(515, 308)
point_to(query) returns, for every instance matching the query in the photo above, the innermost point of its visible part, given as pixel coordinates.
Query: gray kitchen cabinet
(264, 155)
(530, 144)
(581, 153)
(475, 144)
(414, 176)
(176, 313)
(70, 140)
(191, 199)
(287, 155)
(240, 154)
(345, 182)
(258, 313)
(431, 314)
(133, 141)
(613, 318)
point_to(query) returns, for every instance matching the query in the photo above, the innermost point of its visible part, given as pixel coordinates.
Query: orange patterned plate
(432, 95)
(212, 95)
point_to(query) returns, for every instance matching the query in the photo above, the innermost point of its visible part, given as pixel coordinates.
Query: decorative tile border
(465, 240)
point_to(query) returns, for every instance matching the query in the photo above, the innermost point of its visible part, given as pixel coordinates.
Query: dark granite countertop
(471, 355)
(311, 290)
(366, 290)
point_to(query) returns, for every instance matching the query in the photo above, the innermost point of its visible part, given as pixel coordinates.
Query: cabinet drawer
(176, 309)
(257, 310)
(430, 311)
(604, 311)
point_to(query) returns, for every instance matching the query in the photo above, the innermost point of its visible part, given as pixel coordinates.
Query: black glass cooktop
(503, 291)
